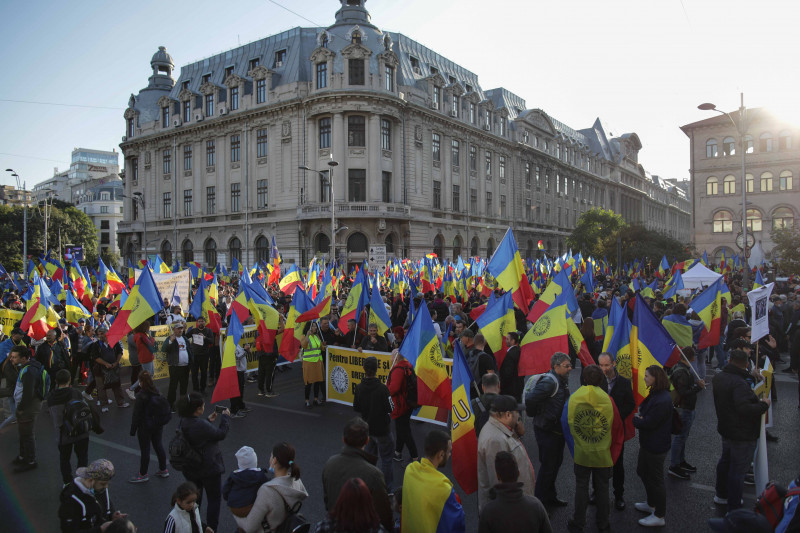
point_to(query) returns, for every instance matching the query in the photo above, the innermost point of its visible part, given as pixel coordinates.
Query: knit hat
(101, 470)
(247, 458)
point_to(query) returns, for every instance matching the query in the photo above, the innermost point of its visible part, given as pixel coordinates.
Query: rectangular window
(322, 75)
(749, 182)
(489, 204)
(211, 200)
(455, 105)
(261, 91)
(488, 165)
(386, 187)
(473, 201)
(538, 176)
(261, 142)
(457, 198)
(228, 72)
(473, 157)
(105, 224)
(280, 58)
(503, 126)
(502, 162)
(187, 157)
(437, 97)
(766, 183)
(167, 205)
(262, 196)
(135, 170)
(187, 202)
(235, 196)
(487, 118)
(528, 210)
(471, 113)
(436, 147)
(234, 98)
(455, 153)
(135, 209)
(324, 187)
(386, 134)
(502, 206)
(103, 209)
(527, 174)
(388, 78)
(355, 68)
(558, 184)
(356, 131)
(211, 153)
(437, 194)
(165, 117)
(105, 238)
(547, 181)
(210, 105)
(167, 160)
(254, 63)
(129, 128)
(187, 110)
(357, 185)
(324, 133)
(235, 148)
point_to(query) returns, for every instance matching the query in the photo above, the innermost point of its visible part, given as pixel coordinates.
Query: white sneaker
(104, 409)
(720, 501)
(131, 394)
(87, 396)
(651, 521)
(643, 507)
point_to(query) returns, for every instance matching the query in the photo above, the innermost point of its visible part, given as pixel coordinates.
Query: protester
(372, 341)
(373, 402)
(399, 380)
(133, 360)
(511, 383)
(654, 422)
(30, 390)
(151, 412)
(429, 501)
(313, 366)
(202, 340)
(185, 514)
(686, 386)
(180, 358)
(106, 369)
(202, 436)
(353, 462)
(85, 504)
(145, 347)
(353, 513)
(9, 370)
(238, 407)
(52, 354)
(267, 361)
(284, 491)
(242, 485)
(481, 405)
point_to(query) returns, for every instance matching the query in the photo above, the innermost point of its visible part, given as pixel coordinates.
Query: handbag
(111, 375)
(677, 423)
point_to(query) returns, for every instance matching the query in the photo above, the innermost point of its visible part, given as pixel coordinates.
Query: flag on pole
(651, 344)
(228, 383)
(143, 302)
(507, 268)
(421, 347)
(495, 322)
(548, 335)
(708, 306)
(377, 312)
(462, 426)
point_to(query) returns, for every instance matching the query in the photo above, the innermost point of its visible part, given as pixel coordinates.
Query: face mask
(271, 470)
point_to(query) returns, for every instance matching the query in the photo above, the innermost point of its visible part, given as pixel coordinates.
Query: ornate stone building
(772, 160)
(427, 159)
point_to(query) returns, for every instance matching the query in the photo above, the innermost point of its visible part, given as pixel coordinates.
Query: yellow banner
(8, 318)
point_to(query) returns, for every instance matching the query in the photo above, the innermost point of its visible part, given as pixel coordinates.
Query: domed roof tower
(162, 65)
(353, 12)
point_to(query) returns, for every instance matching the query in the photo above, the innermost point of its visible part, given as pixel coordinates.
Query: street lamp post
(137, 197)
(331, 165)
(24, 222)
(741, 129)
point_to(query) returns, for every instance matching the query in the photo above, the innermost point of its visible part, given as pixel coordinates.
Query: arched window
(766, 182)
(490, 246)
(753, 220)
(166, 252)
(438, 246)
(750, 182)
(474, 246)
(782, 217)
(729, 184)
(785, 140)
(210, 252)
(262, 249)
(785, 182)
(322, 243)
(723, 222)
(235, 249)
(357, 242)
(728, 146)
(712, 186)
(765, 142)
(187, 250)
(456, 247)
(389, 243)
(711, 148)
(749, 145)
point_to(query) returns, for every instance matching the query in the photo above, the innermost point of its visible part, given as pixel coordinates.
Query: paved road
(29, 501)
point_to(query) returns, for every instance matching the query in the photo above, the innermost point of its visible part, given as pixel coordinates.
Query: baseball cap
(101, 469)
(504, 402)
(740, 521)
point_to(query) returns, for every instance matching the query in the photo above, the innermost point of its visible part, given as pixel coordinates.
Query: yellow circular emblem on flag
(542, 326)
(591, 425)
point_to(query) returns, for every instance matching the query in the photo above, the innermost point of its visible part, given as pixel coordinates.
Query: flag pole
(690, 364)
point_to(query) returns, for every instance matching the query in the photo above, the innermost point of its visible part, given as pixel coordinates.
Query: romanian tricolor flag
(759, 281)
(663, 267)
(497, 320)
(291, 280)
(143, 302)
(578, 343)
(619, 345)
(377, 312)
(115, 285)
(160, 266)
(201, 307)
(553, 289)
(293, 331)
(548, 335)
(429, 502)
(614, 314)
(75, 310)
(652, 345)
(39, 319)
(507, 268)
(462, 426)
(318, 311)
(593, 429)
(357, 299)
(679, 329)
(228, 383)
(421, 347)
(708, 306)
(265, 316)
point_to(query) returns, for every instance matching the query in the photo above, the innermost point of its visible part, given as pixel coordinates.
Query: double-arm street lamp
(21, 186)
(741, 129)
(329, 177)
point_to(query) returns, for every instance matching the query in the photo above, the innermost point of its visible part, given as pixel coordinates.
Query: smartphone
(219, 408)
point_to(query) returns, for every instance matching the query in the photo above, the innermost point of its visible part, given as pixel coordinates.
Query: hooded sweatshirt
(241, 487)
(373, 401)
(269, 504)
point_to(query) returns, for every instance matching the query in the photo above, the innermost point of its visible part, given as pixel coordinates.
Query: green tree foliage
(787, 250)
(596, 233)
(75, 228)
(639, 242)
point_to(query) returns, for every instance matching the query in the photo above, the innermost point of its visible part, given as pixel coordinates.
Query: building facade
(772, 160)
(10, 195)
(426, 159)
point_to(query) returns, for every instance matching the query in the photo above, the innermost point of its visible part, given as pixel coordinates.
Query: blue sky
(640, 66)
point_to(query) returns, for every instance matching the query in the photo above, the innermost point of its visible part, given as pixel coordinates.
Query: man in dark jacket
(52, 354)
(180, 358)
(373, 342)
(202, 340)
(481, 405)
(545, 403)
(374, 402)
(511, 510)
(352, 462)
(86, 503)
(686, 388)
(739, 413)
(511, 383)
(620, 390)
(29, 392)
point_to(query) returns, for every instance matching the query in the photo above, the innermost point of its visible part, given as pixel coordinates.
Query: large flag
(548, 335)
(495, 322)
(143, 302)
(357, 299)
(619, 344)
(615, 311)
(228, 383)
(110, 277)
(293, 330)
(267, 317)
(291, 280)
(462, 426)
(579, 343)
(201, 306)
(651, 344)
(39, 319)
(75, 310)
(708, 306)
(377, 312)
(421, 347)
(679, 329)
(553, 290)
(320, 310)
(507, 268)
(592, 427)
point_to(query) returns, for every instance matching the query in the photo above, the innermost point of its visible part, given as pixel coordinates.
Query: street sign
(377, 257)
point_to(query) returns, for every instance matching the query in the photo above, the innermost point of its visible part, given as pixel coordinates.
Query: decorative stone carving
(233, 81)
(389, 58)
(185, 94)
(536, 118)
(387, 43)
(129, 113)
(354, 29)
(260, 72)
(147, 158)
(418, 133)
(207, 88)
(286, 129)
(164, 101)
(322, 38)
(356, 51)
(131, 101)
(320, 55)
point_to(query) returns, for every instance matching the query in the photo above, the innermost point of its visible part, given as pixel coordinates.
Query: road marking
(709, 488)
(119, 447)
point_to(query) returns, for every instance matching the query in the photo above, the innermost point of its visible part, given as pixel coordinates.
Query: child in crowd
(185, 514)
(242, 485)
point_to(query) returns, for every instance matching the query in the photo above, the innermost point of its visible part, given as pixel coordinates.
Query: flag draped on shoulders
(429, 502)
(593, 429)
(421, 347)
(462, 426)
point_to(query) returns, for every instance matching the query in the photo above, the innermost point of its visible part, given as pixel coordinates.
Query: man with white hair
(179, 359)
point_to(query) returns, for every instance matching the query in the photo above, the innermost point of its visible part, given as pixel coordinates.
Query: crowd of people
(72, 369)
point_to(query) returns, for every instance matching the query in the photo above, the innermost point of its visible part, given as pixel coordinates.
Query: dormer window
(254, 63)
(206, 78)
(280, 57)
(228, 72)
(487, 118)
(129, 127)
(185, 86)
(415, 64)
(434, 71)
(437, 97)
(468, 88)
(356, 38)
(451, 79)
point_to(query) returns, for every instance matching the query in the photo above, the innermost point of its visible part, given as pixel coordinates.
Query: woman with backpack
(151, 413)
(399, 382)
(206, 467)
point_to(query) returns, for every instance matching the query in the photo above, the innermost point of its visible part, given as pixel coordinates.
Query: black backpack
(412, 397)
(158, 411)
(294, 521)
(182, 456)
(78, 419)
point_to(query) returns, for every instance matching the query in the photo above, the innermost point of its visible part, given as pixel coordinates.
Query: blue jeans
(731, 468)
(383, 447)
(13, 406)
(722, 355)
(677, 455)
(699, 363)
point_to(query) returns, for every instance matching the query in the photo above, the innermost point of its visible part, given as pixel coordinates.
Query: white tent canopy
(699, 276)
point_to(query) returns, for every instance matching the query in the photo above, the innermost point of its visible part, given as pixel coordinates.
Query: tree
(639, 242)
(596, 232)
(786, 252)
